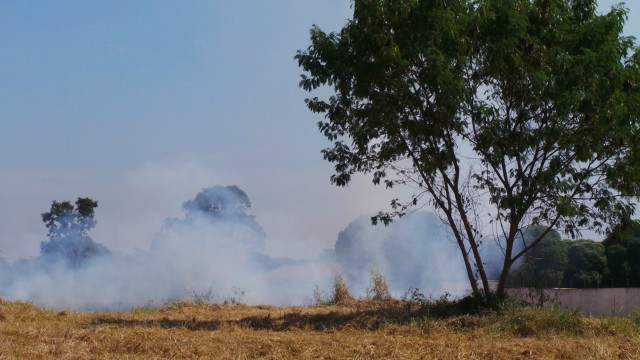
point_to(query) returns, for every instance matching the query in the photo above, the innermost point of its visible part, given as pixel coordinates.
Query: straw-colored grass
(359, 330)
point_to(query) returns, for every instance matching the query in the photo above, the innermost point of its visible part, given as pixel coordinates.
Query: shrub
(378, 288)
(319, 296)
(339, 294)
(635, 318)
(530, 321)
(237, 297)
(205, 296)
(340, 291)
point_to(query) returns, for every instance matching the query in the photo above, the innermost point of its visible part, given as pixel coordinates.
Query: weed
(319, 296)
(208, 297)
(530, 321)
(635, 318)
(339, 294)
(378, 289)
(340, 291)
(413, 298)
(371, 329)
(172, 304)
(626, 325)
(443, 307)
(205, 296)
(146, 309)
(237, 297)
(413, 295)
(617, 326)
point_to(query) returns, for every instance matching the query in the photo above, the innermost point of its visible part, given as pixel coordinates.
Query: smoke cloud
(216, 252)
(411, 252)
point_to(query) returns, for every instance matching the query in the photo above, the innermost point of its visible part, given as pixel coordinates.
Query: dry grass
(360, 330)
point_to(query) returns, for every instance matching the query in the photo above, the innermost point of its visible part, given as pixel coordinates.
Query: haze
(140, 105)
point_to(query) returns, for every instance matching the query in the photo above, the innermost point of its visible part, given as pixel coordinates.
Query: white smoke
(411, 252)
(216, 249)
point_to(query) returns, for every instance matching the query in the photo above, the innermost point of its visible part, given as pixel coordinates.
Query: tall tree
(502, 113)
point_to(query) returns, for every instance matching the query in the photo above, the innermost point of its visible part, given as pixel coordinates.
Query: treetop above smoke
(68, 225)
(64, 219)
(219, 201)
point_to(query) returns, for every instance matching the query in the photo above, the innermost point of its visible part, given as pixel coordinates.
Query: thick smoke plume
(216, 252)
(411, 252)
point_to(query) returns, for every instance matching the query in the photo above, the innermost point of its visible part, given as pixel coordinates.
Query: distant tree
(543, 265)
(223, 207)
(509, 113)
(64, 219)
(68, 225)
(219, 201)
(587, 264)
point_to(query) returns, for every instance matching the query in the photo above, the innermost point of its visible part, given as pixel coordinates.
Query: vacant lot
(360, 330)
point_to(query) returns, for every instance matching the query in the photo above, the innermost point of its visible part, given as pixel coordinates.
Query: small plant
(618, 326)
(529, 321)
(146, 309)
(340, 291)
(635, 318)
(378, 289)
(202, 297)
(319, 296)
(172, 304)
(444, 306)
(413, 295)
(237, 297)
(339, 294)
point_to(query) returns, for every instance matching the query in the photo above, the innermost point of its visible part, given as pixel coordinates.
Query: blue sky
(140, 104)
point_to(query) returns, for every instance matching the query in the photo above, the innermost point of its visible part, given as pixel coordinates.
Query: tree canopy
(219, 201)
(622, 249)
(501, 113)
(66, 219)
(216, 212)
(587, 264)
(68, 225)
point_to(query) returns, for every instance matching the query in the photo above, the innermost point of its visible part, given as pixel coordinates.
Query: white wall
(592, 302)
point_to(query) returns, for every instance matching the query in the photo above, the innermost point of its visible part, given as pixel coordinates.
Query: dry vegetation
(357, 329)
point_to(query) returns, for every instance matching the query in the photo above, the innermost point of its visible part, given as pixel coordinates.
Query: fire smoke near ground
(216, 252)
(410, 252)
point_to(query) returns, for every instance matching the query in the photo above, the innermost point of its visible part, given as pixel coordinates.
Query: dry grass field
(358, 330)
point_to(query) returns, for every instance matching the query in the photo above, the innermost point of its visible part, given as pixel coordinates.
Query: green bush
(530, 321)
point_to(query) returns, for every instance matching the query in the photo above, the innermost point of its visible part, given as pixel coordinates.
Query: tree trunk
(502, 283)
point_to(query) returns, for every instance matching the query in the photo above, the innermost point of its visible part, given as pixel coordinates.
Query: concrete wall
(592, 302)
